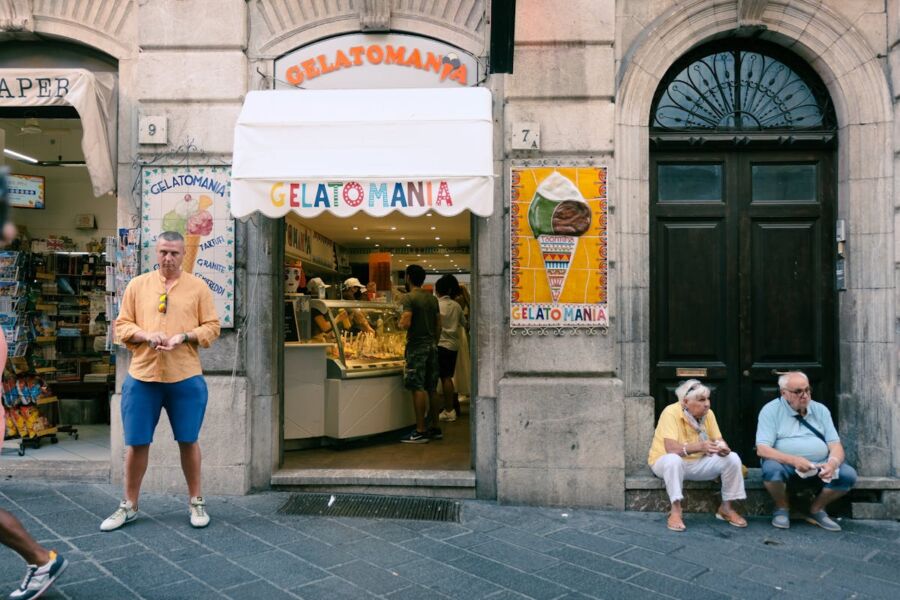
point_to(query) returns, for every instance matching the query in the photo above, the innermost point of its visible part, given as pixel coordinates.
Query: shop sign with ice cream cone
(558, 242)
(195, 201)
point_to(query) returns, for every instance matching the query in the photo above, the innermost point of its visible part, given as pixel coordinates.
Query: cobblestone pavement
(497, 552)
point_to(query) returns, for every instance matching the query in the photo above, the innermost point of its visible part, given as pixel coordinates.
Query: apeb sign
(369, 61)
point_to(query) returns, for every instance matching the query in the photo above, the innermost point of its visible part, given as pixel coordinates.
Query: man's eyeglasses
(163, 302)
(807, 391)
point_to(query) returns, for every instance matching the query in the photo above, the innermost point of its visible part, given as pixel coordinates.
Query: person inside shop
(463, 373)
(687, 445)
(799, 446)
(321, 326)
(452, 323)
(354, 290)
(421, 319)
(44, 566)
(371, 291)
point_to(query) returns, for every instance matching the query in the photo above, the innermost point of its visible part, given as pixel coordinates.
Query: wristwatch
(185, 341)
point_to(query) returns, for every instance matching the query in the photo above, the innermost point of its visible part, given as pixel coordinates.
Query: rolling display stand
(32, 411)
(33, 421)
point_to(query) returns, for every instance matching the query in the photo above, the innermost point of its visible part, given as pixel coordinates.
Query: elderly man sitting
(797, 441)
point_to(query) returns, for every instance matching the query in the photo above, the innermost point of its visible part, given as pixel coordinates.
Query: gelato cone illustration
(558, 216)
(199, 224)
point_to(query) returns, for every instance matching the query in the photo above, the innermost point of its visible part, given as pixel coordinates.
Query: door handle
(746, 373)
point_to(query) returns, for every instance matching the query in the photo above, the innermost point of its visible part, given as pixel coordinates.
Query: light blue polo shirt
(779, 428)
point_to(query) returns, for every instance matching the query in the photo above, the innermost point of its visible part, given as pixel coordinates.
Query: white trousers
(674, 470)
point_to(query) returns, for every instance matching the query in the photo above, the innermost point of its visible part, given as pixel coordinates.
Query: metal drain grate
(372, 507)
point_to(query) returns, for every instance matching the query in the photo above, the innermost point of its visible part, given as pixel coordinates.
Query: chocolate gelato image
(558, 208)
(571, 218)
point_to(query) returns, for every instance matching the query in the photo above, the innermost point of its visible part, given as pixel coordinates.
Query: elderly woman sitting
(688, 445)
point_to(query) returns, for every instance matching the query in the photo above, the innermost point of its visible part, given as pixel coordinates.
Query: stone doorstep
(753, 481)
(81, 471)
(646, 492)
(437, 484)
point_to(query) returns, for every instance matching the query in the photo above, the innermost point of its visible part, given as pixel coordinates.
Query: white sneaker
(447, 415)
(199, 517)
(38, 579)
(124, 514)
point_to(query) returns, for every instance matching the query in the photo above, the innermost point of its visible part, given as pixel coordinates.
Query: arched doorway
(742, 229)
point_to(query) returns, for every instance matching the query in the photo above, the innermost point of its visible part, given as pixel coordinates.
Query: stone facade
(557, 420)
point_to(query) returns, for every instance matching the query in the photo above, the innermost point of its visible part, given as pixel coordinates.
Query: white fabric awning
(93, 95)
(342, 151)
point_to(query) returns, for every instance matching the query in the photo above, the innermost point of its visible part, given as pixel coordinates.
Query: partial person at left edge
(165, 317)
(44, 565)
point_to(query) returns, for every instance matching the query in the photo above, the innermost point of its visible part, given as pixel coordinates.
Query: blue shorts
(142, 401)
(772, 470)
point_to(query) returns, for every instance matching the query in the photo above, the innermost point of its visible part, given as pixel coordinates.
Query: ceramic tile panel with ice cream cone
(195, 202)
(558, 242)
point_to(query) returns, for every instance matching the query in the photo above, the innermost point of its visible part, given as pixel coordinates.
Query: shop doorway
(364, 410)
(742, 231)
(61, 369)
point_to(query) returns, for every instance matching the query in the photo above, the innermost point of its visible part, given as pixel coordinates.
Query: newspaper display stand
(32, 410)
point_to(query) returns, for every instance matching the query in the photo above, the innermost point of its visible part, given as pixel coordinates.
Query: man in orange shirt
(165, 316)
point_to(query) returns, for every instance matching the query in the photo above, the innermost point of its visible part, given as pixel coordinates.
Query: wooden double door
(742, 248)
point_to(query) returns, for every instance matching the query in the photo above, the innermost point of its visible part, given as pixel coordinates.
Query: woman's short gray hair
(690, 388)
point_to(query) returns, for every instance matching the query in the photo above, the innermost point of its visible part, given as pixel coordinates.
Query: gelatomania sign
(367, 61)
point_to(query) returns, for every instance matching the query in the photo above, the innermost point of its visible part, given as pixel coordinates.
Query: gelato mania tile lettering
(207, 183)
(560, 313)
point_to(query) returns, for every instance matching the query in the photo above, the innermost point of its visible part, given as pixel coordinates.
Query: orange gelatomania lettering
(395, 56)
(433, 62)
(309, 67)
(356, 52)
(294, 75)
(460, 75)
(324, 66)
(341, 61)
(415, 59)
(375, 54)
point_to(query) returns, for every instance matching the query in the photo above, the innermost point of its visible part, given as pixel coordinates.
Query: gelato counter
(346, 380)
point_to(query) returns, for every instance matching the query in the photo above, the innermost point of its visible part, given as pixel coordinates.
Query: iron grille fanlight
(741, 90)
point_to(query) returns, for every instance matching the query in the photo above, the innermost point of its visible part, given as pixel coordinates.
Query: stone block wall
(560, 416)
(893, 69)
(560, 441)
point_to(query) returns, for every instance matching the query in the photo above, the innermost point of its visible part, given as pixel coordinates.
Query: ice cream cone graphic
(191, 248)
(558, 216)
(199, 224)
(557, 251)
